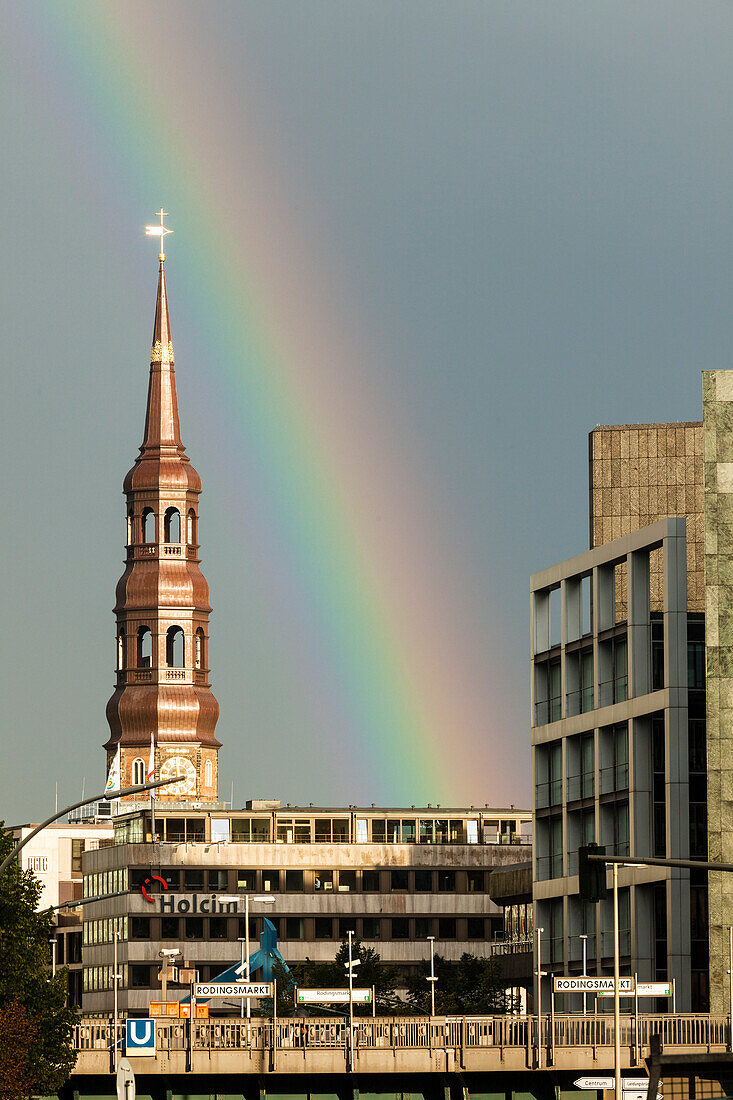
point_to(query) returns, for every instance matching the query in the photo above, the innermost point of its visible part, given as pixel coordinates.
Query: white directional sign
(592, 985)
(232, 989)
(645, 989)
(340, 996)
(634, 1088)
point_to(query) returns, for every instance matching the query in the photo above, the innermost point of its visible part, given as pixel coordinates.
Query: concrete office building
(393, 876)
(647, 794)
(605, 681)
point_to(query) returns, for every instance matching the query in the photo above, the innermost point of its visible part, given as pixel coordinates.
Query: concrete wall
(718, 457)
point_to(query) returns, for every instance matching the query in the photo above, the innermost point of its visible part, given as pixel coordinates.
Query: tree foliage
(472, 986)
(36, 1055)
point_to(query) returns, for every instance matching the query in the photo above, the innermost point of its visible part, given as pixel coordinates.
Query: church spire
(163, 694)
(161, 417)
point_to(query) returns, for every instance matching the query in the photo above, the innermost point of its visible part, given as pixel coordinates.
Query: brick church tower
(162, 605)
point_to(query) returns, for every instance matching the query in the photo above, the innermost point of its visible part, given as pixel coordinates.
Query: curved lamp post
(108, 795)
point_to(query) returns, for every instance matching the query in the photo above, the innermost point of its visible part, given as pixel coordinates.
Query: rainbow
(286, 391)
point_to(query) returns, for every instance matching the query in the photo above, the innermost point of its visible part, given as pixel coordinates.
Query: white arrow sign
(232, 989)
(632, 1086)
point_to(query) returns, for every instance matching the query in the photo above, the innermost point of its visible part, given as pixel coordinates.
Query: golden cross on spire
(161, 231)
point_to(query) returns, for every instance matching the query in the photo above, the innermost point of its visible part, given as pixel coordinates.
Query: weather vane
(161, 231)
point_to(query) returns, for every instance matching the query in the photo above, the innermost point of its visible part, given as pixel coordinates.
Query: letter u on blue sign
(140, 1037)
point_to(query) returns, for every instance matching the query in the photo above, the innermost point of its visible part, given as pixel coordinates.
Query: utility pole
(431, 979)
(616, 992)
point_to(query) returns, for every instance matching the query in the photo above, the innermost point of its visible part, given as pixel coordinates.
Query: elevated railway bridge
(452, 1058)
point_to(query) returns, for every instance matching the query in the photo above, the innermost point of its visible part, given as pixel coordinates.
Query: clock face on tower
(178, 765)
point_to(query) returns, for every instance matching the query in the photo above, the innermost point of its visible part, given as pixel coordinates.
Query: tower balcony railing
(162, 675)
(143, 551)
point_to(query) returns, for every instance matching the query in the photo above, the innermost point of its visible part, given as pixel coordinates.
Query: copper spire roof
(161, 420)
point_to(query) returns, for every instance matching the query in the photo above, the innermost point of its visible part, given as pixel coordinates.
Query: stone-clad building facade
(718, 547)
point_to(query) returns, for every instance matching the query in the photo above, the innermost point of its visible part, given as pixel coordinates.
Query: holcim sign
(194, 903)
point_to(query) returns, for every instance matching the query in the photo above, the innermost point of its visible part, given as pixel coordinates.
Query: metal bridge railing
(413, 1033)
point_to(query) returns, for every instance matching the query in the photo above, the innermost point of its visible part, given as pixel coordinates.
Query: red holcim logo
(148, 882)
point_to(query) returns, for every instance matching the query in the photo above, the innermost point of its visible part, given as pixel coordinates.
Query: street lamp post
(264, 899)
(432, 979)
(52, 941)
(107, 796)
(115, 977)
(584, 942)
(616, 992)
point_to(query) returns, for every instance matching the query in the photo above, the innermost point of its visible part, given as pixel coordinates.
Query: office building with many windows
(392, 876)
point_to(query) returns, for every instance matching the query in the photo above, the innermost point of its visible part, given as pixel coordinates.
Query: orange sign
(163, 1008)
(202, 1011)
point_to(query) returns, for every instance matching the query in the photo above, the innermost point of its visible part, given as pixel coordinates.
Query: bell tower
(163, 694)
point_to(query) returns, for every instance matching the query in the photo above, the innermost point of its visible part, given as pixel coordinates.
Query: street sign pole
(616, 997)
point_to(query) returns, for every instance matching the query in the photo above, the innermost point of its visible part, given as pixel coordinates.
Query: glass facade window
(193, 880)
(294, 881)
(423, 927)
(294, 831)
(77, 850)
(400, 928)
(371, 928)
(346, 925)
(475, 928)
(194, 928)
(246, 880)
(586, 681)
(446, 928)
(657, 632)
(347, 882)
(554, 691)
(398, 880)
(475, 882)
(370, 882)
(446, 881)
(423, 882)
(293, 928)
(140, 928)
(169, 928)
(324, 928)
(270, 881)
(218, 880)
(323, 880)
(218, 928)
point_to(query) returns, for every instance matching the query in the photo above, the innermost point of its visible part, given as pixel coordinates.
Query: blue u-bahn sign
(140, 1038)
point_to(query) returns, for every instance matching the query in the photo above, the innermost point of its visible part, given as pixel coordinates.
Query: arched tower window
(174, 647)
(200, 648)
(148, 521)
(192, 528)
(130, 527)
(144, 647)
(208, 774)
(121, 650)
(172, 525)
(138, 772)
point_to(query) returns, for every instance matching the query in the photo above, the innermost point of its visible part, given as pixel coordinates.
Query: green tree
(36, 1054)
(473, 987)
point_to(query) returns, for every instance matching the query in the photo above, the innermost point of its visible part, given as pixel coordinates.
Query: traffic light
(591, 873)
